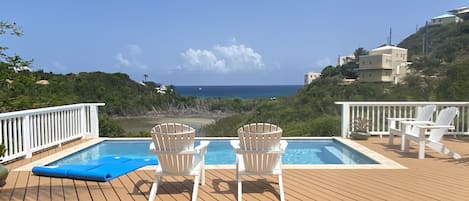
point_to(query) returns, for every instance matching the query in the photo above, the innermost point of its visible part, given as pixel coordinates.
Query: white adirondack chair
(437, 130)
(173, 143)
(423, 117)
(259, 152)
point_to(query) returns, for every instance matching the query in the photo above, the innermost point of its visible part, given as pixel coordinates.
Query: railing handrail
(378, 111)
(412, 103)
(27, 131)
(46, 110)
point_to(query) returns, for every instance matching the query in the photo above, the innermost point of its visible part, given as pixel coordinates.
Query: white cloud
(122, 61)
(131, 58)
(223, 59)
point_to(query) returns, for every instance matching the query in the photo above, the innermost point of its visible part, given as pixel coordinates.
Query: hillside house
(462, 12)
(445, 19)
(310, 76)
(341, 60)
(384, 64)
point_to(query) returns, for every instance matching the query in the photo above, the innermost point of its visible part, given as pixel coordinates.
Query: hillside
(441, 75)
(446, 45)
(122, 95)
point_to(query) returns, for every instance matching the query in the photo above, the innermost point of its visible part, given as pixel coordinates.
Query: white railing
(378, 112)
(28, 131)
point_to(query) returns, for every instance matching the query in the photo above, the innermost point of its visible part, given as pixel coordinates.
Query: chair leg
(405, 144)
(280, 186)
(436, 146)
(202, 176)
(391, 138)
(421, 149)
(240, 188)
(196, 188)
(154, 189)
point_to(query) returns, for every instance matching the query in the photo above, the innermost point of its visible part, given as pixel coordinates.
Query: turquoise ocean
(244, 92)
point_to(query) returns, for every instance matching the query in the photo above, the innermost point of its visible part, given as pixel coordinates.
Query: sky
(208, 42)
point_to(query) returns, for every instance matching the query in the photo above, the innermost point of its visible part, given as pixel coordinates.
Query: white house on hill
(383, 64)
(310, 76)
(445, 19)
(341, 60)
(462, 12)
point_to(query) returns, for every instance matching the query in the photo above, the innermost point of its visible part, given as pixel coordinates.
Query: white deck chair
(437, 130)
(423, 116)
(259, 152)
(173, 143)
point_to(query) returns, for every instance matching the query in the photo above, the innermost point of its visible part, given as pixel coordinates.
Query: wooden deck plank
(300, 185)
(7, 190)
(57, 189)
(218, 187)
(44, 189)
(70, 192)
(32, 188)
(19, 193)
(129, 185)
(164, 191)
(95, 190)
(141, 188)
(121, 190)
(108, 191)
(435, 178)
(82, 190)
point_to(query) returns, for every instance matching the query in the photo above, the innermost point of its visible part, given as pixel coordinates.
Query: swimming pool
(219, 152)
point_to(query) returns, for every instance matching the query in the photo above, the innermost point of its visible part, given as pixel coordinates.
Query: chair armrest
(152, 148)
(417, 123)
(236, 145)
(202, 146)
(422, 128)
(283, 145)
(434, 126)
(400, 119)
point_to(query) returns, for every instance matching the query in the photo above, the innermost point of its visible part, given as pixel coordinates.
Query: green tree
(329, 71)
(11, 29)
(359, 52)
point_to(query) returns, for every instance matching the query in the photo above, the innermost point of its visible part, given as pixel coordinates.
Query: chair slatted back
(259, 142)
(424, 114)
(445, 117)
(174, 145)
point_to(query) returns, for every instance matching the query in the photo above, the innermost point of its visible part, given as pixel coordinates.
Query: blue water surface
(219, 152)
(245, 92)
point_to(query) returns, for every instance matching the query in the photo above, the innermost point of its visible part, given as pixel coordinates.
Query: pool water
(220, 152)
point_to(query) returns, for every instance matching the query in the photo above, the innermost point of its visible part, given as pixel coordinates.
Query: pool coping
(383, 162)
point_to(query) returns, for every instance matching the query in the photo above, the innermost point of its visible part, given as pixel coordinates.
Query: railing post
(345, 119)
(27, 137)
(83, 121)
(94, 122)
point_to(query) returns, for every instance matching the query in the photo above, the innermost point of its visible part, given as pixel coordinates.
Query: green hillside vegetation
(441, 75)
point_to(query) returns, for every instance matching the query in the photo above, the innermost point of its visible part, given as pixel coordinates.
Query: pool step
(332, 155)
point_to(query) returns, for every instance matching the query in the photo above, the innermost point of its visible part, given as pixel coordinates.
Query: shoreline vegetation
(438, 75)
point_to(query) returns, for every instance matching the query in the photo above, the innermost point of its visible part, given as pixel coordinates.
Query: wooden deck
(435, 178)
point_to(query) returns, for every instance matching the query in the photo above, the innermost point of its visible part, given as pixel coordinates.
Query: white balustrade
(378, 112)
(28, 131)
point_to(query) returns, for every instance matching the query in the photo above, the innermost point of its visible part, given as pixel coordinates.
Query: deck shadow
(249, 186)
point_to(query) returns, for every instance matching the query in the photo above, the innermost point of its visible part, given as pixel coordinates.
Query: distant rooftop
(462, 12)
(443, 16)
(463, 9)
(386, 47)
